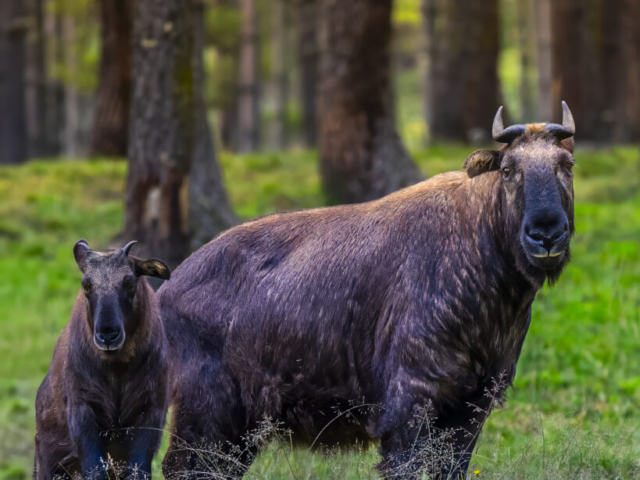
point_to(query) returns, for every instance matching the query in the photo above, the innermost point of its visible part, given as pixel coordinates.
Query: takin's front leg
(91, 447)
(141, 444)
(438, 443)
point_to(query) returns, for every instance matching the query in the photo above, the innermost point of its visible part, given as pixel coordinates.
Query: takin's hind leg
(208, 431)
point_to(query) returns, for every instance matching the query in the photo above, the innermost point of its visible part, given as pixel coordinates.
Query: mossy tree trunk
(175, 198)
(110, 129)
(361, 154)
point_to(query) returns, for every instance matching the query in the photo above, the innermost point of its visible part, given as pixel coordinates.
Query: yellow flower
(477, 472)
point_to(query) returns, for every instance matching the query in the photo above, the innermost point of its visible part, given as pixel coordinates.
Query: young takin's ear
(81, 251)
(152, 267)
(481, 161)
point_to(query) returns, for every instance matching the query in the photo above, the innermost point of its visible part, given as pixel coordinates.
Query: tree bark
(525, 33)
(54, 89)
(427, 55)
(464, 87)
(36, 104)
(542, 11)
(249, 108)
(71, 95)
(110, 130)
(13, 122)
(173, 176)
(632, 59)
(279, 77)
(361, 154)
(308, 58)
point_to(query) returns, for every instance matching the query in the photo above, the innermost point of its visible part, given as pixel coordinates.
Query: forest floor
(573, 412)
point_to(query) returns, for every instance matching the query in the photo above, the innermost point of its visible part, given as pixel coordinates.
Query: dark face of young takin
(110, 286)
(537, 182)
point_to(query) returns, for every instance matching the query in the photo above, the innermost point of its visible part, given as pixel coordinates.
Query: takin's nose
(108, 338)
(545, 234)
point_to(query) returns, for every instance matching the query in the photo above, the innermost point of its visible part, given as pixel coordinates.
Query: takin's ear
(151, 268)
(568, 144)
(81, 251)
(481, 161)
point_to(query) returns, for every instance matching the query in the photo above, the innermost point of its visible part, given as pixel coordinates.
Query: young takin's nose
(108, 337)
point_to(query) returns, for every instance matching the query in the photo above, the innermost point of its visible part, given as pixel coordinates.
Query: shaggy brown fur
(96, 403)
(420, 298)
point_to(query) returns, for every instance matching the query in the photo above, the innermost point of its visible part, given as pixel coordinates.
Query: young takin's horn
(127, 247)
(505, 135)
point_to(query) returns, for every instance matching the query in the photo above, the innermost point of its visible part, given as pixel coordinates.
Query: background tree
(308, 60)
(361, 154)
(13, 122)
(542, 14)
(175, 197)
(279, 72)
(463, 67)
(249, 101)
(36, 80)
(113, 98)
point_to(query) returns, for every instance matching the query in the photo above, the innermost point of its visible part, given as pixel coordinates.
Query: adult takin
(101, 408)
(419, 301)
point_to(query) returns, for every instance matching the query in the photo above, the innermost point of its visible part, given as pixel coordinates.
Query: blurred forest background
(168, 121)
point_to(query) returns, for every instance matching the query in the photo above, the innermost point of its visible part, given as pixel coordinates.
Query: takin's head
(536, 178)
(110, 286)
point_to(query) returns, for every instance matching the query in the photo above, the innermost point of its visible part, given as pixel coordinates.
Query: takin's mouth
(109, 348)
(547, 260)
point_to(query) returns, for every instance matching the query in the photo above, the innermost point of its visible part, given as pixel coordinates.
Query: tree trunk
(13, 122)
(36, 81)
(576, 73)
(54, 89)
(308, 58)
(427, 55)
(361, 154)
(525, 33)
(170, 141)
(71, 96)
(542, 11)
(632, 59)
(279, 78)
(110, 129)
(249, 109)
(464, 89)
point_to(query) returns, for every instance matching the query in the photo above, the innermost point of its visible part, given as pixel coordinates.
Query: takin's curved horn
(568, 127)
(505, 135)
(127, 247)
(83, 243)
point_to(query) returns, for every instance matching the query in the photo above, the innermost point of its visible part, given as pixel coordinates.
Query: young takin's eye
(129, 285)
(506, 171)
(86, 287)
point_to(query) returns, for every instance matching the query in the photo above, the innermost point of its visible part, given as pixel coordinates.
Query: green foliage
(572, 414)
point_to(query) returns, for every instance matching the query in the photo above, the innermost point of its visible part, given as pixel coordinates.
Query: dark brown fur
(421, 297)
(93, 404)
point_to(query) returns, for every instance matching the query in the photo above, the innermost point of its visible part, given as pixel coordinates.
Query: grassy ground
(574, 410)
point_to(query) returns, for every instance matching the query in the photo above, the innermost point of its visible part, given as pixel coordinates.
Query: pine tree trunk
(279, 78)
(525, 33)
(632, 59)
(308, 57)
(576, 72)
(361, 154)
(54, 89)
(13, 122)
(110, 130)
(71, 96)
(427, 56)
(36, 81)
(248, 105)
(169, 140)
(542, 10)
(464, 87)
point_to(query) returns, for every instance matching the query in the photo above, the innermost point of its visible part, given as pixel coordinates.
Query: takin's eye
(129, 285)
(86, 287)
(506, 172)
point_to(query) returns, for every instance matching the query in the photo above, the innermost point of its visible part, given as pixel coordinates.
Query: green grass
(574, 411)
